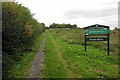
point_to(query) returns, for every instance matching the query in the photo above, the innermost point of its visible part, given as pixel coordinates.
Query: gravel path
(34, 71)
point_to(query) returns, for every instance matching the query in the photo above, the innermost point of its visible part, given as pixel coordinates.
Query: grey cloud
(90, 13)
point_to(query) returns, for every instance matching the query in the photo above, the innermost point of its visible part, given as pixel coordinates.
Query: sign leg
(85, 43)
(108, 45)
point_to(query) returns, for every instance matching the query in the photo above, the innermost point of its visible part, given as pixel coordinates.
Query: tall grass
(76, 36)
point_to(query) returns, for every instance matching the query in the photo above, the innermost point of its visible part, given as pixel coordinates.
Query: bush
(19, 31)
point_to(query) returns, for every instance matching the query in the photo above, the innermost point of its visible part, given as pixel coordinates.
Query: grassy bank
(18, 70)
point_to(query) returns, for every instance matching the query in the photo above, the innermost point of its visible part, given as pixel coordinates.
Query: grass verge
(53, 67)
(19, 70)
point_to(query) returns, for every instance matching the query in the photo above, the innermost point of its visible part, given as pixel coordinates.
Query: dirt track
(34, 71)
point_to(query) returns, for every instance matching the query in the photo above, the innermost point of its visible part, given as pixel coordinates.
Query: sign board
(96, 34)
(96, 31)
(97, 39)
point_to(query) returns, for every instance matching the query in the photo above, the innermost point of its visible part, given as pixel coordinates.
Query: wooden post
(85, 42)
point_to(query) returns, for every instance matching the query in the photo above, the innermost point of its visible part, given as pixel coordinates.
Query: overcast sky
(81, 12)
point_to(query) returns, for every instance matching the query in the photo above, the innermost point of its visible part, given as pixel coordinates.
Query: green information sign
(97, 39)
(98, 31)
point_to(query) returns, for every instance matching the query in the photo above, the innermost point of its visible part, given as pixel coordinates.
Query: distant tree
(54, 25)
(74, 26)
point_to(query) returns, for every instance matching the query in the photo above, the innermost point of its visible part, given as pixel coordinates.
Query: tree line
(55, 25)
(19, 31)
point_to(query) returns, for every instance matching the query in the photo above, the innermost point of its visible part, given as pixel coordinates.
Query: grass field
(65, 57)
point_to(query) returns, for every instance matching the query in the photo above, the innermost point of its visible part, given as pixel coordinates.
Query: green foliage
(19, 31)
(54, 25)
(114, 37)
